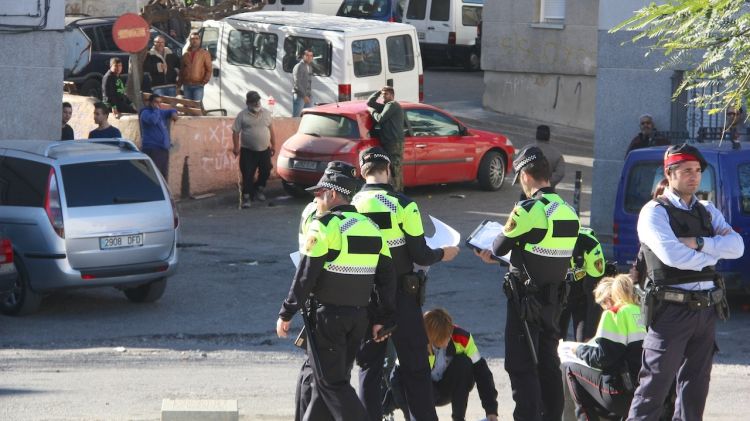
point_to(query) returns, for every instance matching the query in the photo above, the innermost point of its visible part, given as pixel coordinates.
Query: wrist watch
(699, 241)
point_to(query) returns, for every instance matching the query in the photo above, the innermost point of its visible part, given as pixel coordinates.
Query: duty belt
(694, 299)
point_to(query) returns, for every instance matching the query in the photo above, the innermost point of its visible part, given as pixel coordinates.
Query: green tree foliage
(709, 39)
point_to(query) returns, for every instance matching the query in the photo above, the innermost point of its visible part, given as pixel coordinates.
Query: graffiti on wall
(219, 136)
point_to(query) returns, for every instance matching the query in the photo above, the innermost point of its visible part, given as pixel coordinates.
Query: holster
(722, 307)
(648, 302)
(409, 283)
(422, 287)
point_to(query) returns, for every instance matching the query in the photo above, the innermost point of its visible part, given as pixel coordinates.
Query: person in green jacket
(455, 367)
(604, 385)
(390, 117)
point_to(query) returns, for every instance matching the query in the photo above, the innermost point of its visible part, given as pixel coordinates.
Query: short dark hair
(388, 89)
(373, 168)
(538, 170)
(67, 105)
(153, 97)
(102, 106)
(114, 60)
(252, 97)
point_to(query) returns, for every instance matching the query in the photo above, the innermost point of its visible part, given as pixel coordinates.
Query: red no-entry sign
(131, 33)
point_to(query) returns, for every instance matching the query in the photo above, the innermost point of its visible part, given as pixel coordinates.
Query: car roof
(316, 21)
(65, 150)
(352, 108)
(707, 149)
(89, 20)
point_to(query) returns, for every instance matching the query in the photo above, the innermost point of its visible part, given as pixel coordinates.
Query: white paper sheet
(444, 235)
(566, 353)
(484, 238)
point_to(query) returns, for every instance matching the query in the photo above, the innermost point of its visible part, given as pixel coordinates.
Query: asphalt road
(90, 354)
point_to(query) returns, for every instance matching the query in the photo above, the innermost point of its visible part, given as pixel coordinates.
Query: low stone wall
(201, 158)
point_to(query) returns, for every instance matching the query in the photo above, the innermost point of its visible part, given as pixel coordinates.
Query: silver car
(85, 214)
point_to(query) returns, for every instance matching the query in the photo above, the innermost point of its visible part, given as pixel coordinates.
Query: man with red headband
(682, 239)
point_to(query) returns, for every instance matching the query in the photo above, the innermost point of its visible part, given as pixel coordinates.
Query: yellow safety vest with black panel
(400, 223)
(352, 245)
(541, 233)
(588, 256)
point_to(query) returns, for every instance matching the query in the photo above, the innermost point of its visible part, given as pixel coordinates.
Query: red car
(438, 148)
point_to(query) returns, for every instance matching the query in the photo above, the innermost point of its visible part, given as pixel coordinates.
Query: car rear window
(111, 183)
(644, 177)
(22, 182)
(328, 125)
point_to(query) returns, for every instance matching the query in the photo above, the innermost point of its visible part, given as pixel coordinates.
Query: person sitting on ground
(103, 130)
(648, 136)
(456, 366)
(604, 386)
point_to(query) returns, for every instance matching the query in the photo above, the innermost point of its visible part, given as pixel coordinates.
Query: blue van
(385, 10)
(725, 182)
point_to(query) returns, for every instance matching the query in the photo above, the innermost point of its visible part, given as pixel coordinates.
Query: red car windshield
(328, 125)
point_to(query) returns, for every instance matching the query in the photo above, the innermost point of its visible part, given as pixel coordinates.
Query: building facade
(540, 59)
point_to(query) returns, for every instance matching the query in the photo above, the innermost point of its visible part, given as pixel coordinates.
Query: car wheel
(473, 61)
(21, 300)
(92, 87)
(147, 293)
(491, 173)
(295, 190)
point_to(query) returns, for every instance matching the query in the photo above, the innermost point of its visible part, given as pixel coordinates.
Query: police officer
(587, 269)
(540, 233)
(343, 256)
(303, 392)
(682, 239)
(401, 225)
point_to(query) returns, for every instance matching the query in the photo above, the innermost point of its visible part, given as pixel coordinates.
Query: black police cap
(339, 182)
(341, 167)
(374, 154)
(526, 157)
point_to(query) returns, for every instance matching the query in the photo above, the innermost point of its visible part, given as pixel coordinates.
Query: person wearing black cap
(304, 381)
(254, 128)
(342, 258)
(554, 157)
(401, 225)
(540, 234)
(682, 239)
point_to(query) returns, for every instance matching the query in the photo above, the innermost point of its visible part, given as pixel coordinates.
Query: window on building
(552, 11)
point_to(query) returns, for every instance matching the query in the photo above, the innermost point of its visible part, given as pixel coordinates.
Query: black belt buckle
(675, 296)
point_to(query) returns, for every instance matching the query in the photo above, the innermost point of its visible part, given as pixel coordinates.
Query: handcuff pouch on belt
(414, 283)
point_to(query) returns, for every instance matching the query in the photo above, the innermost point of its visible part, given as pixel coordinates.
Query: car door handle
(431, 27)
(420, 145)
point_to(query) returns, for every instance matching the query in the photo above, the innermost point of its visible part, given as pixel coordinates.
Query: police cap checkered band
(339, 182)
(524, 158)
(339, 189)
(374, 154)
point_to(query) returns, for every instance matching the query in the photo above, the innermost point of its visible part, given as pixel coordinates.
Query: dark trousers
(537, 391)
(582, 308)
(453, 388)
(303, 393)
(160, 158)
(597, 395)
(410, 340)
(680, 343)
(339, 331)
(250, 162)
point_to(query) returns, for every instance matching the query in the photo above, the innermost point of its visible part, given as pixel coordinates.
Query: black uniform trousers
(250, 162)
(597, 395)
(582, 308)
(537, 391)
(410, 340)
(338, 332)
(453, 388)
(303, 392)
(680, 342)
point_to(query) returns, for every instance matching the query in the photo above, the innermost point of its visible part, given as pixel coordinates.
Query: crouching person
(456, 366)
(604, 387)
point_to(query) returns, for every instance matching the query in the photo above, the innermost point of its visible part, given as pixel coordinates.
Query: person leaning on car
(390, 116)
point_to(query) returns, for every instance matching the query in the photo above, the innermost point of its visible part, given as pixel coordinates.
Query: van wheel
(295, 190)
(93, 88)
(147, 293)
(473, 61)
(21, 300)
(491, 174)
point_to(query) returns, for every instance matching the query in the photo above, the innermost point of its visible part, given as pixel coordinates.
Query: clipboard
(483, 235)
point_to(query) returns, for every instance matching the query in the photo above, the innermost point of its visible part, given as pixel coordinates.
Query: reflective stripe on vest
(374, 202)
(557, 212)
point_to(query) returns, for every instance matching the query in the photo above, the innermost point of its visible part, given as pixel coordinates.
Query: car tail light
(87, 277)
(421, 88)
(451, 38)
(6, 251)
(175, 214)
(391, 19)
(616, 233)
(52, 204)
(345, 93)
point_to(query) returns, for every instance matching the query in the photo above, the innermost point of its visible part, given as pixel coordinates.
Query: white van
(324, 7)
(352, 58)
(447, 29)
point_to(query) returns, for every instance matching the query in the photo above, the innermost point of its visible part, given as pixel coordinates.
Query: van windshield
(327, 125)
(111, 183)
(367, 9)
(645, 177)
